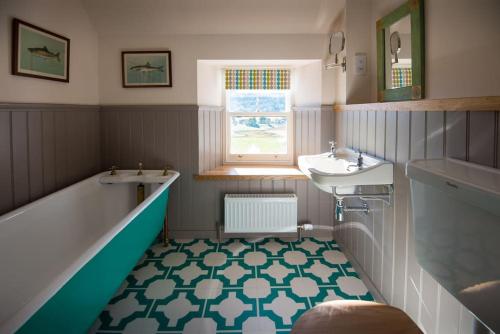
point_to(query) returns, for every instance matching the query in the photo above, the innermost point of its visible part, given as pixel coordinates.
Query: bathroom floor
(250, 286)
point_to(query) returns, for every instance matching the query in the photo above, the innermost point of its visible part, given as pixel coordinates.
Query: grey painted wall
(382, 242)
(160, 135)
(44, 148)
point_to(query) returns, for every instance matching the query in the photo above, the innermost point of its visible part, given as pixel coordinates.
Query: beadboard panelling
(44, 148)
(382, 241)
(210, 120)
(190, 139)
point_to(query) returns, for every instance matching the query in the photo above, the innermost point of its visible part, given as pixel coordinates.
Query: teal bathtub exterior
(74, 308)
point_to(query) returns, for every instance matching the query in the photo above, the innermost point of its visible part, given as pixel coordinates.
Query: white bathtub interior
(42, 243)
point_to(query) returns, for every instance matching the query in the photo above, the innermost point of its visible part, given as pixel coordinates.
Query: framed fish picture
(146, 69)
(39, 53)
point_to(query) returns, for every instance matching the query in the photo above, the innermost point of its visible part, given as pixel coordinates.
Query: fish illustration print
(44, 53)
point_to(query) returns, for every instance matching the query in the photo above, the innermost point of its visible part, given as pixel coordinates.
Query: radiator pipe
(303, 227)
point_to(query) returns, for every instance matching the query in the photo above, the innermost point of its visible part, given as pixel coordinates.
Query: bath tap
(112, 170)
(140, 169)
(165, 171)
(333, 149)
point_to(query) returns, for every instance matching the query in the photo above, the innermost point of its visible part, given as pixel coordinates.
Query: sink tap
(333, 149)
(140, 169)
(360, 159)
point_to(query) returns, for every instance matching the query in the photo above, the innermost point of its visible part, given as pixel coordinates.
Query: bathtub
(63, 257)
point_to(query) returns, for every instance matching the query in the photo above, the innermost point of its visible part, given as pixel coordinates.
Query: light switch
(360, 64)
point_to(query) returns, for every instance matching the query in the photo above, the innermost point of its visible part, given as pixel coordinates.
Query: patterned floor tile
(296, 258)
(190, 273)
(230, 309)
(278, 272)
(199, 248)
(258, 325)
(257, 288)
(145, 273)
(273, 247)
(310, 245)
(174, 312)
(234, 273)
(235, 248)
(283, 307)
(322, 271)
(129, 306)
(257, 285)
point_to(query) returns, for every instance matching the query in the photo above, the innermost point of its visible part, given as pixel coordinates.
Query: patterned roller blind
(401, 77)
(257, 79)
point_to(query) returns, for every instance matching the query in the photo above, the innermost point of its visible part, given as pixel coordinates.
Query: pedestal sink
(342, 171)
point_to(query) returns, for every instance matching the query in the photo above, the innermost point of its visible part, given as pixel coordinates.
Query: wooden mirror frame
(414, 8)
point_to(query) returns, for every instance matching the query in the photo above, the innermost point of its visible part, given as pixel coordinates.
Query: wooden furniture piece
(354, 316)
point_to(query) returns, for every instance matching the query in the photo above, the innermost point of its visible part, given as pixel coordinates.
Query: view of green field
(262, 140)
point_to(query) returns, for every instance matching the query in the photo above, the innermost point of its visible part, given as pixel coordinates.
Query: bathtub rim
(22, 315)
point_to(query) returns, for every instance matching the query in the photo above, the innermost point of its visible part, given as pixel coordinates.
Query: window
(258, 126)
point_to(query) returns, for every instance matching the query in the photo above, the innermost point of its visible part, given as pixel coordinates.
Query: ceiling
(213, 16)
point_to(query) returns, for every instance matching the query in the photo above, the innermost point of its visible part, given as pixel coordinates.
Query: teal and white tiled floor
(239, 286)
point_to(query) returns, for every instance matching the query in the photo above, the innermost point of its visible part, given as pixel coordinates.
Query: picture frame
(39, 53)
(143, 69)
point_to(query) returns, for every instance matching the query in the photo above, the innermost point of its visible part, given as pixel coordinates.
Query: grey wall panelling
(382, 242)
(191, 140)
(44, 148)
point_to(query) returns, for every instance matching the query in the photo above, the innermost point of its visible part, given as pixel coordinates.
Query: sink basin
(342, 171)
(130, 176)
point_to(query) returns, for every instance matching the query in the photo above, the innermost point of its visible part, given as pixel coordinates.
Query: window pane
(243, 102)
(272, 103)
(257, 101)
(258, 135)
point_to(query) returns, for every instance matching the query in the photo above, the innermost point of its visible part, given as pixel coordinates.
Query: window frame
(261, 159)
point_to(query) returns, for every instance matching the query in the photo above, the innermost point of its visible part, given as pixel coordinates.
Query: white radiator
(257, 213)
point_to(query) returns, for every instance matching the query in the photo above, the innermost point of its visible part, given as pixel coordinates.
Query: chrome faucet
(165, 170)
(112, 170)
(140, 169)
(360, 160)
(333, 149)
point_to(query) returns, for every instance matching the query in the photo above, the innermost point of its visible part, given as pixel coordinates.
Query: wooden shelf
(483, 103)
(249, 172)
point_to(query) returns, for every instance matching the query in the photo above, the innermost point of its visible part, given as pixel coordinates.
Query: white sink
(130, 176)
(342, 171)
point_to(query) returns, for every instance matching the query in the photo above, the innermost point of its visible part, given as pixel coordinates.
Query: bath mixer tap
(112, 170)
(140, 169)
(165, 171)
(333, 149)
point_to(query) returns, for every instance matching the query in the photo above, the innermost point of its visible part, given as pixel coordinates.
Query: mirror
(400, 53)
(337, 42)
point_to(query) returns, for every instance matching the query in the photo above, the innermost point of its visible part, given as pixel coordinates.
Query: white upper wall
(461, 48)
(188, 49)
(64, 17)
(211, 30)
(159, 17)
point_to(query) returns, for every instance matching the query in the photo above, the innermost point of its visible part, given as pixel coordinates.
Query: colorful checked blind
(401, 77)
(257, 79)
